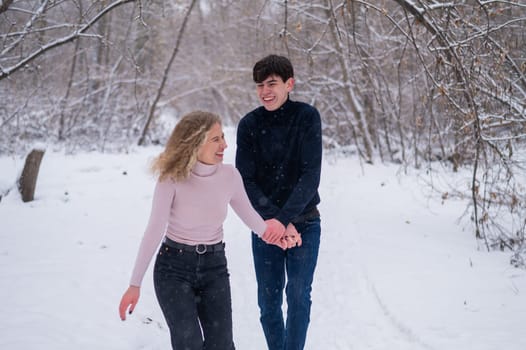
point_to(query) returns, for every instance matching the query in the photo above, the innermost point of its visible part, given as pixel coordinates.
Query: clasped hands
(277, 234)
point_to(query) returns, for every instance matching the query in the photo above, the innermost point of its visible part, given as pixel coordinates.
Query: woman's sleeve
(163, 196)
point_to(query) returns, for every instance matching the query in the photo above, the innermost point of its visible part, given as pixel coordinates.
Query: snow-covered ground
(396, 268)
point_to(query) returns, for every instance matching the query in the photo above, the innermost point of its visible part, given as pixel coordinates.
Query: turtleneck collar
(202, 169)
(282, 110)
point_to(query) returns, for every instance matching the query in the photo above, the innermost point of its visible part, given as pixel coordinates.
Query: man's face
(273, 91)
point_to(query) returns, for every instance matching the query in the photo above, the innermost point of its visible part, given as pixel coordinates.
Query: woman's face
(211, 152)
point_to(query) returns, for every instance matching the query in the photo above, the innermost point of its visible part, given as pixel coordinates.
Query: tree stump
(28, 179)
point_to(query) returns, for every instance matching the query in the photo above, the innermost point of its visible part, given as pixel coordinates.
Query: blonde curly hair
(180, 153)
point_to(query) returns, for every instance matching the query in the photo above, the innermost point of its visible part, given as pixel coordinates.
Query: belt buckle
(200, 251)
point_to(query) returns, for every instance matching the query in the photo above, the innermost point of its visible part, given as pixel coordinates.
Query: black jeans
(193, 291)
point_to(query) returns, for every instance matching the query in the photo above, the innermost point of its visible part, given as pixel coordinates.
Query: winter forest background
(405, 81)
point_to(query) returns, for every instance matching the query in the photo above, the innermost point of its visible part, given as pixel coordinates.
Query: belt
(309, 215)
(199, 248)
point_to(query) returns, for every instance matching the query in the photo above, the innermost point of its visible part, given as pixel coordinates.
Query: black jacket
(279, 157)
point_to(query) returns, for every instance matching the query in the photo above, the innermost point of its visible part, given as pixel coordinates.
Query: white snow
(396, 269)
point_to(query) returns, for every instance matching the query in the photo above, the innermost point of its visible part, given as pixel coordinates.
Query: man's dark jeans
(272, 264)
(193, 291)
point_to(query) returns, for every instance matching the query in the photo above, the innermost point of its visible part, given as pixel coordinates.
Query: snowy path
(349, 300)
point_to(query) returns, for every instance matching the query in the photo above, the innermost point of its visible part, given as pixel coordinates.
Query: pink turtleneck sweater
(193, 211)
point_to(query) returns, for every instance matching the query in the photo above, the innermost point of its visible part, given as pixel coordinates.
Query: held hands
(277, 234)
(274, 232)
(129, 299)
(292, 236)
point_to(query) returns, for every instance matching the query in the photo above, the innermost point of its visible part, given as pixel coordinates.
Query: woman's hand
(274, 232)
(129, 299)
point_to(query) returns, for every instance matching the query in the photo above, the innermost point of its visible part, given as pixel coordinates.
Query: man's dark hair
(272, 65)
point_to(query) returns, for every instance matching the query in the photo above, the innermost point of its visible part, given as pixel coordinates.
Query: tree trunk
(4, 5)
(165, 75)
(357, 109)
(28, 180)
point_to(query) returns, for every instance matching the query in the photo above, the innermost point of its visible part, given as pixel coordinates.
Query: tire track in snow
(396, 323)
(364, 318)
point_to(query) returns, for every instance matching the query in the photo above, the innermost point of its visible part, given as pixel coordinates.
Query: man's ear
(290, 84)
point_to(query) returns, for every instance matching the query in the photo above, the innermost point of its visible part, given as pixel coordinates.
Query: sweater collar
(281, 111)
(203, 170)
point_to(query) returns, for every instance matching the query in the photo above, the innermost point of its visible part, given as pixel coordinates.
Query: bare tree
(166, 72)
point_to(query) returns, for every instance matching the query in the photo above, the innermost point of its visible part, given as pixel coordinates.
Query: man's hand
(274, 232)
(292, 237)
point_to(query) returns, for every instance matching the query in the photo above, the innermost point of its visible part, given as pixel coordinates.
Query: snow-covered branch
(6, 71)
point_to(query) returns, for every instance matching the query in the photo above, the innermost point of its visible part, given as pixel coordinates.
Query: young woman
(189, 206)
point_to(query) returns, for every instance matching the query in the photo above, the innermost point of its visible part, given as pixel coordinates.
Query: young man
(279, 150)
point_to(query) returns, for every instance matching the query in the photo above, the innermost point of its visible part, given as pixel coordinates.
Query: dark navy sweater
(279, 157)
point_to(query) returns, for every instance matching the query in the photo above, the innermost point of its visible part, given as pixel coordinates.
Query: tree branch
(5, 72)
